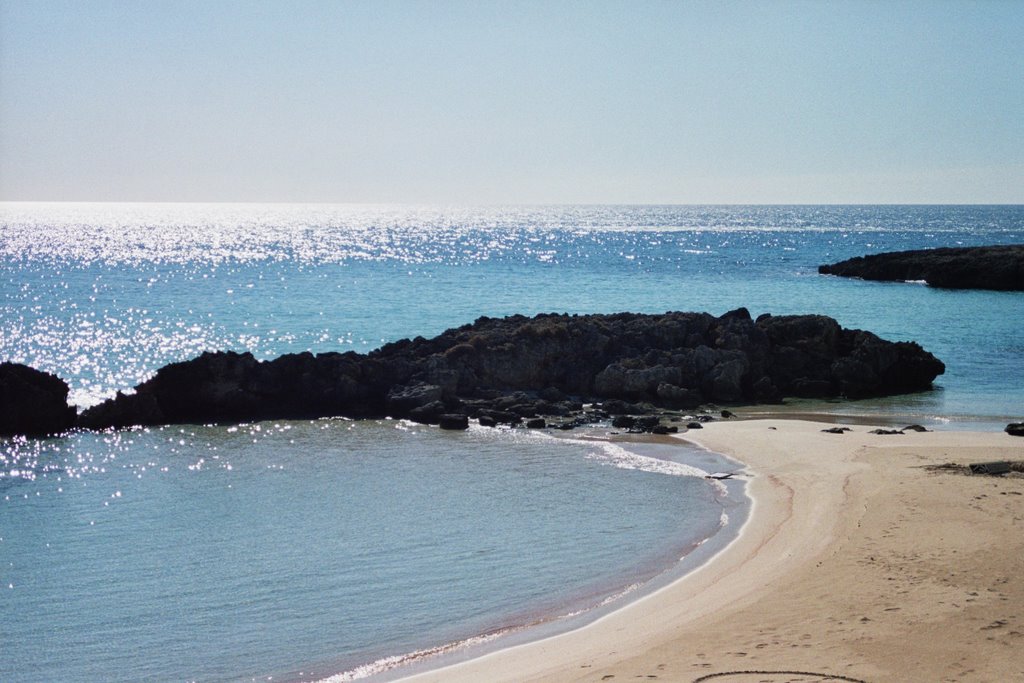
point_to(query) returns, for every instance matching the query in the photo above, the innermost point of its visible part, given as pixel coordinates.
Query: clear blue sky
(518, 102)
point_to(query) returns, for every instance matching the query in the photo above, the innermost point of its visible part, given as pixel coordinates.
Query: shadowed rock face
(32, 402)
(998, 267)
(514, 367)
(235, 387)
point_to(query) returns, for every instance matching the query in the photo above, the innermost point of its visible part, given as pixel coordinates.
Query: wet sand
(856, 562)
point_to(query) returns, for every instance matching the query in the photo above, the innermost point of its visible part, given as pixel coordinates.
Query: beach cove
(856, 562)
(488, 341)
(233, 536)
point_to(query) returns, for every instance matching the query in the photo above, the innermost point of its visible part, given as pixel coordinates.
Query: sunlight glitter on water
(211, 518)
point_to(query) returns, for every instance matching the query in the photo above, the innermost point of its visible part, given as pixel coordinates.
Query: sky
(512, 102)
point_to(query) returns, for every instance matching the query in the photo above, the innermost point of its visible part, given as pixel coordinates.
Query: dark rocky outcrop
(502, 371)
(235, 387)
(1015, 429)
(996, 267)
(32, 402)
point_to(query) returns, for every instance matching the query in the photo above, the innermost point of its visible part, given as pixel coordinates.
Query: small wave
(617, 456)
(614, 455)
(395, 661)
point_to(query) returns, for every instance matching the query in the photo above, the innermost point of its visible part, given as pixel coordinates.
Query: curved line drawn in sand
(824, 676)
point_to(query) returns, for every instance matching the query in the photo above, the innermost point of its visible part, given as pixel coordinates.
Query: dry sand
(856, 562)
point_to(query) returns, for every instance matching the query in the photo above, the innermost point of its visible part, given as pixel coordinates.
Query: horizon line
(482, 204)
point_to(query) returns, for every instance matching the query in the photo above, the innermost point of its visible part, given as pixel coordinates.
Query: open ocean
(296, 550)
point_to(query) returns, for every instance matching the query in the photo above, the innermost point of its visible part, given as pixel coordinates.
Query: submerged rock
(994, 267)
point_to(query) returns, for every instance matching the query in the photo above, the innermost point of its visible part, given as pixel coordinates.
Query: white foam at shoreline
(622, 458)
(617, 456)
(388, 663)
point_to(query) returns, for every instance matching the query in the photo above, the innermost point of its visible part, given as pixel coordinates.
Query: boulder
(623, 421)
(32, 402)
(1015, 429)
(453, 422)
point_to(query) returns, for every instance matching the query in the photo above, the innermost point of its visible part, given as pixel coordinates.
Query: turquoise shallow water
(302, 549)
(210, 554)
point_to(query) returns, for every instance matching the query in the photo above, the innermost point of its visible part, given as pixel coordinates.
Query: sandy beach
(858, 563)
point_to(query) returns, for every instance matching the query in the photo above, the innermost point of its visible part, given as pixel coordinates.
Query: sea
(339, 550)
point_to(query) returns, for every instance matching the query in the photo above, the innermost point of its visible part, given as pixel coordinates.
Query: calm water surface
(219, 553)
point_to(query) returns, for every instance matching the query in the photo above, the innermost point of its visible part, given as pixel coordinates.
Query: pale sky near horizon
(512, 102)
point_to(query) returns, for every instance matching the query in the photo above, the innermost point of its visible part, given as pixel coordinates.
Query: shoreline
(929, 565)
(662, 451)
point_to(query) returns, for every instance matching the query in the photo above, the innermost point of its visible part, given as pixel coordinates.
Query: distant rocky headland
(503, 370)
(996, 267)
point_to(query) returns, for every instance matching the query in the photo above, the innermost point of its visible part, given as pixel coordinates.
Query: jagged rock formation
(32, 402)
(997, 267)
(505, 370)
